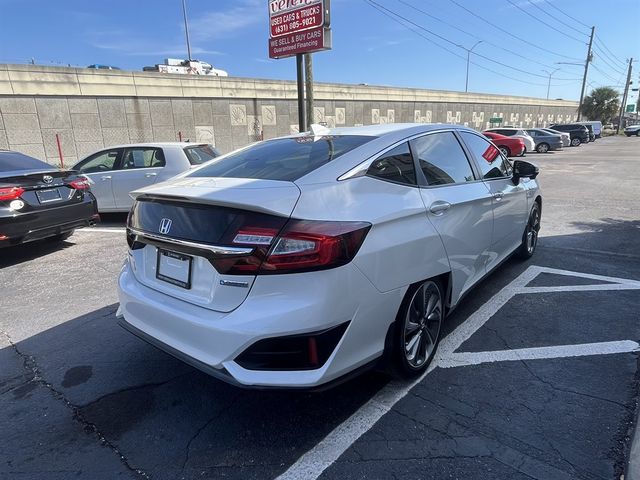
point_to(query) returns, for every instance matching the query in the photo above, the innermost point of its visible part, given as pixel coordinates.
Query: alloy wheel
(543, 148)
(422, 325)
(533, 227)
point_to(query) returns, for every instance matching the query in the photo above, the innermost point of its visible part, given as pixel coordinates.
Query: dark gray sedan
(545, 141)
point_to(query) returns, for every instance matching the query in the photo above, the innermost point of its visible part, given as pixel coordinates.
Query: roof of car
(388, 128)
(157, 144)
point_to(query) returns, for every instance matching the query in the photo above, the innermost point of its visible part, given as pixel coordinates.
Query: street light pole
(469, 50)
(186, 28)
(549, 84)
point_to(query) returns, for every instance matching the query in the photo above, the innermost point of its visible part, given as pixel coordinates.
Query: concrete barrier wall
(91, 109)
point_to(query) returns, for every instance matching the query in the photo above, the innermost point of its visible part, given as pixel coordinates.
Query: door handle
(439, 207)
(106, 177)
(150, 175)
(498, 196)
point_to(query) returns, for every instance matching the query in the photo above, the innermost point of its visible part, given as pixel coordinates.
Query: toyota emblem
(47, 179)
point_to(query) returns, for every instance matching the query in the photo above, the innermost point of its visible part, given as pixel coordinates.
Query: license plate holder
(174, 268)
(48, 195)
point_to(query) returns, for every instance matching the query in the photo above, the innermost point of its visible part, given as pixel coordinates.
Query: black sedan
(39, 201)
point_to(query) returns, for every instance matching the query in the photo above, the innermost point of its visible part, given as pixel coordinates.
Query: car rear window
(282, 159)
(10, 161)
(198, 154)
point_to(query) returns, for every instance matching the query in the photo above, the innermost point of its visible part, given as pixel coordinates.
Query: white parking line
(537, 353)
(102, 230)
(311, 465)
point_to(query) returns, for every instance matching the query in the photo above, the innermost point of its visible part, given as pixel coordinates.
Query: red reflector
(10, 193)
(80, 184)
(4, 237)
(313, 351)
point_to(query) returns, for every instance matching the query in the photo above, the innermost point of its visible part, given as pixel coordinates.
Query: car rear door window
(396, 166)
(104, 161)
(10, 161)
(199, 154)
(442, 159)
(492, 164)
(143, 157)
(285, 159)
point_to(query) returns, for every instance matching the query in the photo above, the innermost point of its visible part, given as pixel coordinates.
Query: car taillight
(10, 193)
(306, 245)
(301, 246)
(80, 184)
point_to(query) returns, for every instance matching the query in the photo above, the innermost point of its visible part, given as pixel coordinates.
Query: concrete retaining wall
(91, 109)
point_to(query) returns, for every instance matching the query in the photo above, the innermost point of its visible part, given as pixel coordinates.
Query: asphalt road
(537, 378)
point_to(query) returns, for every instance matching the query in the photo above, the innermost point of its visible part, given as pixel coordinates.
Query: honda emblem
(165, 226)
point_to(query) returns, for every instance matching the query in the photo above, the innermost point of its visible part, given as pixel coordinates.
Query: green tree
(602, 104)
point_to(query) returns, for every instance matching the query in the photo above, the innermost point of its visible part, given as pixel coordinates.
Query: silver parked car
(298, 260)
(115, 171)
(566, 138)
(545, 141)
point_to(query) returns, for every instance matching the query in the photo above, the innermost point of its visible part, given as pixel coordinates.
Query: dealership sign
(298, 26)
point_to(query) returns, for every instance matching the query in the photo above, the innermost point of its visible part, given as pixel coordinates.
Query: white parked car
(529, 142)
(566, 138)
(296, 261)
(116, 171)
(632, 130)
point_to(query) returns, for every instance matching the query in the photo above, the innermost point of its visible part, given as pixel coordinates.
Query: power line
(613, 57)
(511, 34)
(458, 45)
(393, 16)
(601, 57)
(544, 23)
(566, 14)
(556, 19)
(519, 54)
(604, 73)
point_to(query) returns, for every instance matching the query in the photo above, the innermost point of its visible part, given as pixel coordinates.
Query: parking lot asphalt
(538, 376)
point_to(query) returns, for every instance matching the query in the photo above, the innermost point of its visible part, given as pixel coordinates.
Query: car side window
(99, 162)
(396, 165)
(442, 159)
(143, 157)
(492, 164)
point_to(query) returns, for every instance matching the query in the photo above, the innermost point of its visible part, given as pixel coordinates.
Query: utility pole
(586, 69)
(308, 74)
(624, 96)
(300, 81)
(186, 29)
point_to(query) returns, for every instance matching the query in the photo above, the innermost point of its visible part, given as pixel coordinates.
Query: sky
(405, 43)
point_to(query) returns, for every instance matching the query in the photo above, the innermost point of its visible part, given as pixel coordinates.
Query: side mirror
(522, 169)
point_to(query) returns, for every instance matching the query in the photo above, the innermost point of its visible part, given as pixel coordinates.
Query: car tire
(638, 133)
(417, 329)
(575, 142)
(61, 237)
(505, 151)
(530, 236)
(542, 148)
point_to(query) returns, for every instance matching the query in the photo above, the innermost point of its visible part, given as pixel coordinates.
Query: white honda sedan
(296, 261)
(116, 171)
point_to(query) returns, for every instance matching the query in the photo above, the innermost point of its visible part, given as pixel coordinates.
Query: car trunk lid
(186, 235)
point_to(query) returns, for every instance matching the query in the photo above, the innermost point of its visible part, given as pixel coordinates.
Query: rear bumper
(18, 228)
(277, 306)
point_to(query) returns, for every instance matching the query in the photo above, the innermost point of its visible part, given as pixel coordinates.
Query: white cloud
(229, 22)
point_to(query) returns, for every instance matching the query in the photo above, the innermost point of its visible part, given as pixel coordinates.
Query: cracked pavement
(80, 397)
